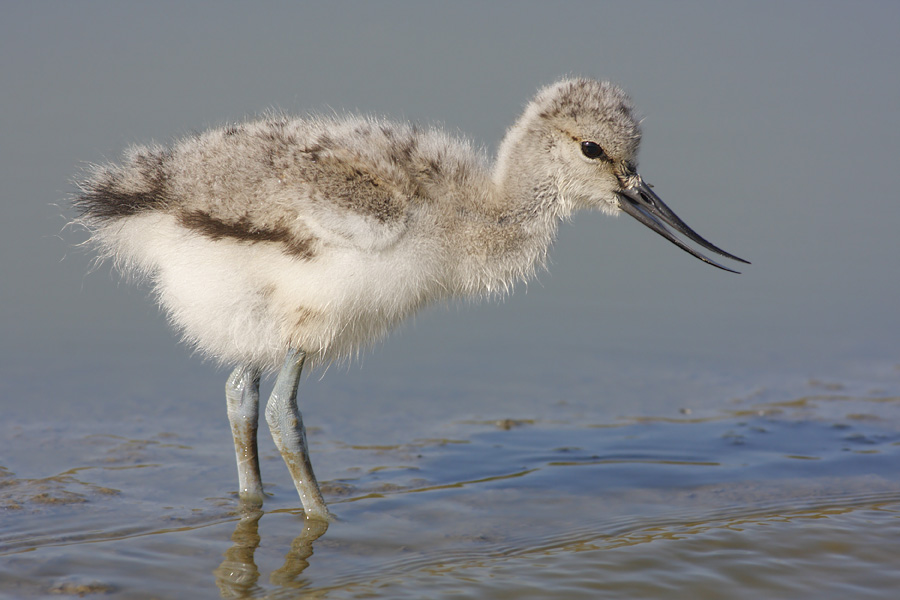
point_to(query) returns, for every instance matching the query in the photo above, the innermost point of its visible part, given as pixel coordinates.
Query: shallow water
(769, 498)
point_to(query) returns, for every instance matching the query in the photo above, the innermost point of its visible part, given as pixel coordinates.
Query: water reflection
(611, 505)
(238, 576)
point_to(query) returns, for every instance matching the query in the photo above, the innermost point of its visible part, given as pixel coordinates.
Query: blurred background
(771, 128)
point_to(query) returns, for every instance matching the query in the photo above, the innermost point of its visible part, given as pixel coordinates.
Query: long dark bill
(643, 204)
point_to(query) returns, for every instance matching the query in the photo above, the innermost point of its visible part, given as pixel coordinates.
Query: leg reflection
(296, 560)
(238, 575)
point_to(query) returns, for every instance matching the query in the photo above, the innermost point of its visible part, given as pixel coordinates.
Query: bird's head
(583, 135)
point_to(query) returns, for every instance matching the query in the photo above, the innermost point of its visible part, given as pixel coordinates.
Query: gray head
(591, 134)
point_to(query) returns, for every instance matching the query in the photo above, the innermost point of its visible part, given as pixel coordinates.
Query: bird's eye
(592, 150)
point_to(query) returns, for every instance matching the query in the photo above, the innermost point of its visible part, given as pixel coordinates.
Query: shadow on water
(508, 495)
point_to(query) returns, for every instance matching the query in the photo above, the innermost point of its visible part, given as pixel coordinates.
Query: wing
(297, 183)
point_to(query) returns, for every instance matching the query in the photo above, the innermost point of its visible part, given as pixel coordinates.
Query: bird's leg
(242, 396)
(286, 425)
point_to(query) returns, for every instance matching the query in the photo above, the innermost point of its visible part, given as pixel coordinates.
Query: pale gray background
(772, 128)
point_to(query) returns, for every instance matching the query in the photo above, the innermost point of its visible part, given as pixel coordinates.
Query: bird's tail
(109, 192)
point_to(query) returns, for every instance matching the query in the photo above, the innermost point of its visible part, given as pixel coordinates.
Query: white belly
(242, 303)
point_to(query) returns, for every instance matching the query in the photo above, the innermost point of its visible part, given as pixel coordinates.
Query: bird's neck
(510, 231)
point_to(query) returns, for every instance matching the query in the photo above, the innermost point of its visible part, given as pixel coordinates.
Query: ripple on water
(775, 501)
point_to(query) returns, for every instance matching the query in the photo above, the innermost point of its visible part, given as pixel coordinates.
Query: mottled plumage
(310, 238)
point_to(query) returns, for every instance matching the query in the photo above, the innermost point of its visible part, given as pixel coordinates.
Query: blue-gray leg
(286, 425)
(242, 396)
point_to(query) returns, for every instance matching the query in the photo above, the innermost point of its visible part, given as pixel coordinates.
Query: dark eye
(592, 150)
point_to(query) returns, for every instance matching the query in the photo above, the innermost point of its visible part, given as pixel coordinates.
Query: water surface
(767, 498)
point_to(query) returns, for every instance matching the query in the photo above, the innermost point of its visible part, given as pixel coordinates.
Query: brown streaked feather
(244, 231)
